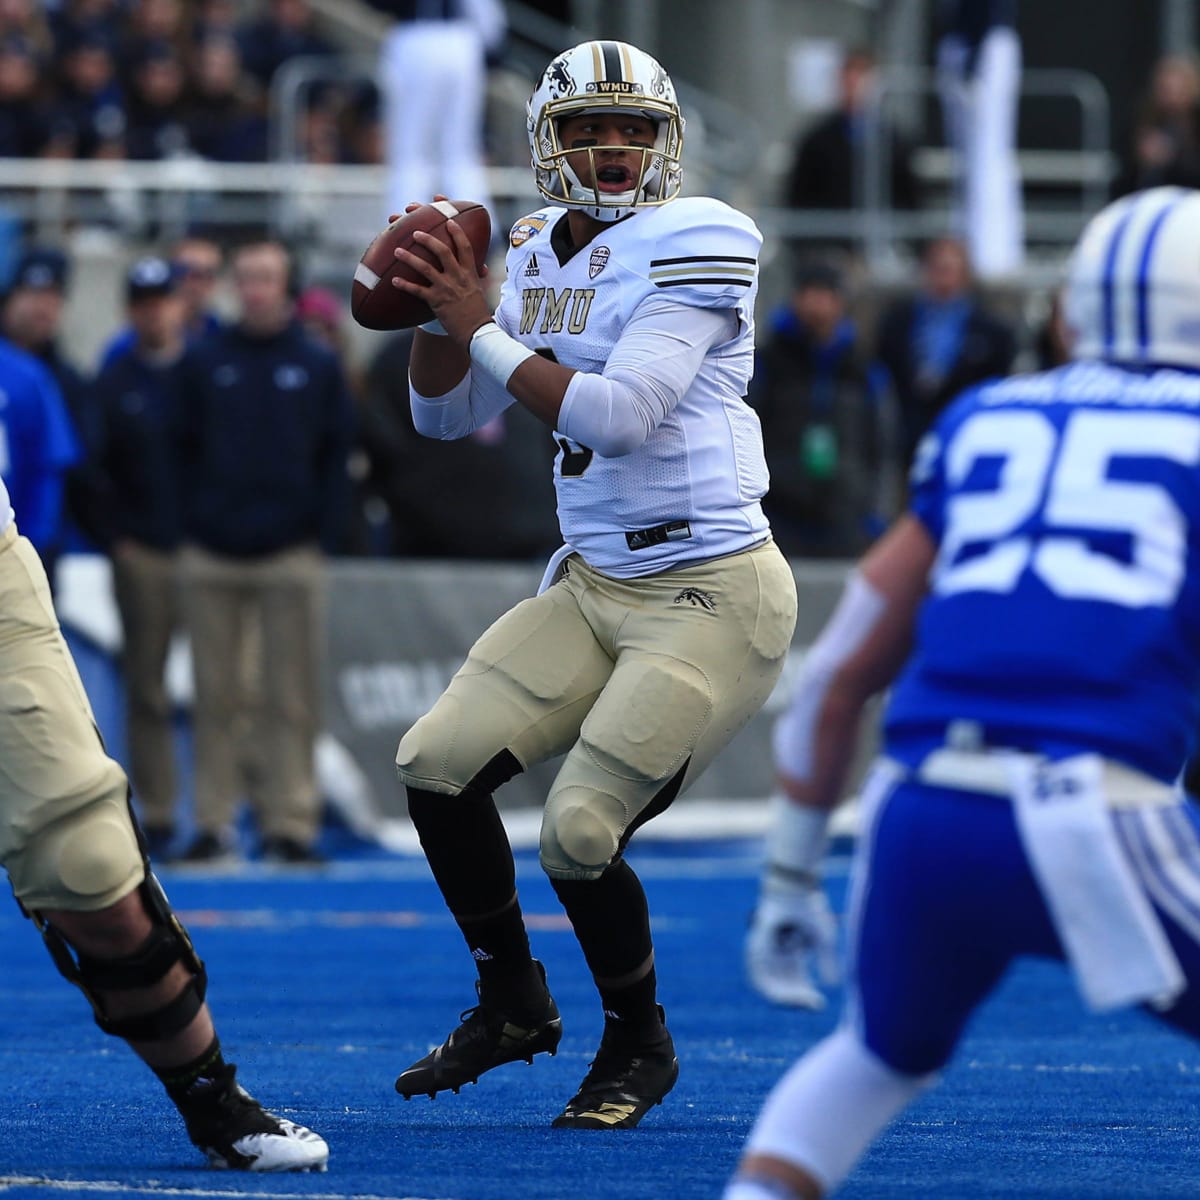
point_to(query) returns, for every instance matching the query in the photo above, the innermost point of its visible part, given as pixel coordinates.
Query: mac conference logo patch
(598, 261)
(524, 229)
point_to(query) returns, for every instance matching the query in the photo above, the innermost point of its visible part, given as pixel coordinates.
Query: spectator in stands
(828, 425)
(86, 118)
(320, 314)
(1052, 339)
(940, 340)
(264, 436)
(71, 16)
(155, 23)
(38, 446)
(1166, 138)
(320, 138)
(363, 126)
(831, 158)
(979, 69)
(433, 71)
(155, 113)
(22, 121)
(196, 263)
(225, 114)
(214, 18)
(501, 504)
(26, 21)
(200, 261)
(31, 318)
(137, 397)
(286, 30)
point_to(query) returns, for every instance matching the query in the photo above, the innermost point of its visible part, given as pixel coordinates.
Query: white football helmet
(605, 77)
(1133, 287)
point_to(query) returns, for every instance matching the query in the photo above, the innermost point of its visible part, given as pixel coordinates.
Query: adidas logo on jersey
(696, 598)
(480, 955)
(531, 267)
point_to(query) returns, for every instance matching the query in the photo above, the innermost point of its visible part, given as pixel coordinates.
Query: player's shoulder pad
(531, 225)
(701, 251)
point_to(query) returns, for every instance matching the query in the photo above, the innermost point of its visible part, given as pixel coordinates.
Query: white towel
(1109, 930)
(553, 571)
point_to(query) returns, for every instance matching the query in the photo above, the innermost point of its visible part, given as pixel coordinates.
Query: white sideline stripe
(154, 1188)
(364, 275)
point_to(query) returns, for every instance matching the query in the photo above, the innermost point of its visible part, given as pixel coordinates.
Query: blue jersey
(1064, 607)
(37, 445)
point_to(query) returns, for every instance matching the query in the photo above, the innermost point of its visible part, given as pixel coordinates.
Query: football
(375, 303)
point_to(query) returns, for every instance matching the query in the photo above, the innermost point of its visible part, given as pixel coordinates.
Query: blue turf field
(325, 986)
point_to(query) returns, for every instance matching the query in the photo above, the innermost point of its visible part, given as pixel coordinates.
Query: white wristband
(435, 327)
(495, 352)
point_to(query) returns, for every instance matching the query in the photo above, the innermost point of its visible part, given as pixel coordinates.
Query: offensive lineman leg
(136, 965)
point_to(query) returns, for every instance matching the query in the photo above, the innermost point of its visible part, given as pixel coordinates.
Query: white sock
(758, 1189)
(825, 1112)
(796, 846)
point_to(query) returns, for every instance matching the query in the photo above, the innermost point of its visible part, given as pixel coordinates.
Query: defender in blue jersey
(1038, 611)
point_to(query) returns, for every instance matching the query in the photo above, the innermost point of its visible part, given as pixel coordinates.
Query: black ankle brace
(179, 1080)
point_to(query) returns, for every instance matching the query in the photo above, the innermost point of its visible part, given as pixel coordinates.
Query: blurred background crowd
(854, 360)
(185, 186)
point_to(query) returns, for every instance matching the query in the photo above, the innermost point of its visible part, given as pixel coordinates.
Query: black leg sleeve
(468, 852)
(612, 922)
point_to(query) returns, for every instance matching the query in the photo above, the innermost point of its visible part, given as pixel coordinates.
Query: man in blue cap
(138, 524)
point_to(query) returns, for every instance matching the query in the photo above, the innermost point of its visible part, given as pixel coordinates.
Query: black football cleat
(625, 1081)
(488, 1037)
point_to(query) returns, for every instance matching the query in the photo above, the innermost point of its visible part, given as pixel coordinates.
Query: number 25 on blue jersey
(1056, 486)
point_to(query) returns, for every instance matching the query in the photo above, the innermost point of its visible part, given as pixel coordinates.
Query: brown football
(375, 303)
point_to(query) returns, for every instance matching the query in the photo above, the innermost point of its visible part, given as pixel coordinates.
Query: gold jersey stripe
(702, 270)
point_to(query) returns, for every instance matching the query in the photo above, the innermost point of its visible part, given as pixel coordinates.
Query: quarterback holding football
(625, 324)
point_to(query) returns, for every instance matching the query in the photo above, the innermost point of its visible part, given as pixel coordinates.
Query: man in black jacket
(940, 340)
(828, 424)
(828, 170)
(264, 435)
(138, 523)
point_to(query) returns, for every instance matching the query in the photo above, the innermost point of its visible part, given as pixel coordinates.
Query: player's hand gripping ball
(375, 303)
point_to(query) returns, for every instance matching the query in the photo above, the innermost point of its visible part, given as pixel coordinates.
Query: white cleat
(290, 1147)
(236, 1133)
(791, 938)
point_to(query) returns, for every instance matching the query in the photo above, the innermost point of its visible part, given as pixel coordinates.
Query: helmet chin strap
(622, 203)
(604, 212)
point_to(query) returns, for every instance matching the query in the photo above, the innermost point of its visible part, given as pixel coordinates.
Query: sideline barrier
(397, 631)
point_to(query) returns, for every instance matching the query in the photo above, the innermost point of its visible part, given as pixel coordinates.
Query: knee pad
(85, 860)
(581, 834)
(168, 943)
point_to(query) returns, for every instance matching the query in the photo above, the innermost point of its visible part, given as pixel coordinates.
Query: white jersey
(6, 512)
(691, 490)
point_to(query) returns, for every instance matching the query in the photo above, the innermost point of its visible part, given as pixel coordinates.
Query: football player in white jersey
(1036, 616)
(77, 864)
(626, 325)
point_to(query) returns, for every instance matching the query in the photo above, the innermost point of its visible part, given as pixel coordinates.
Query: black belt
(672, 531)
